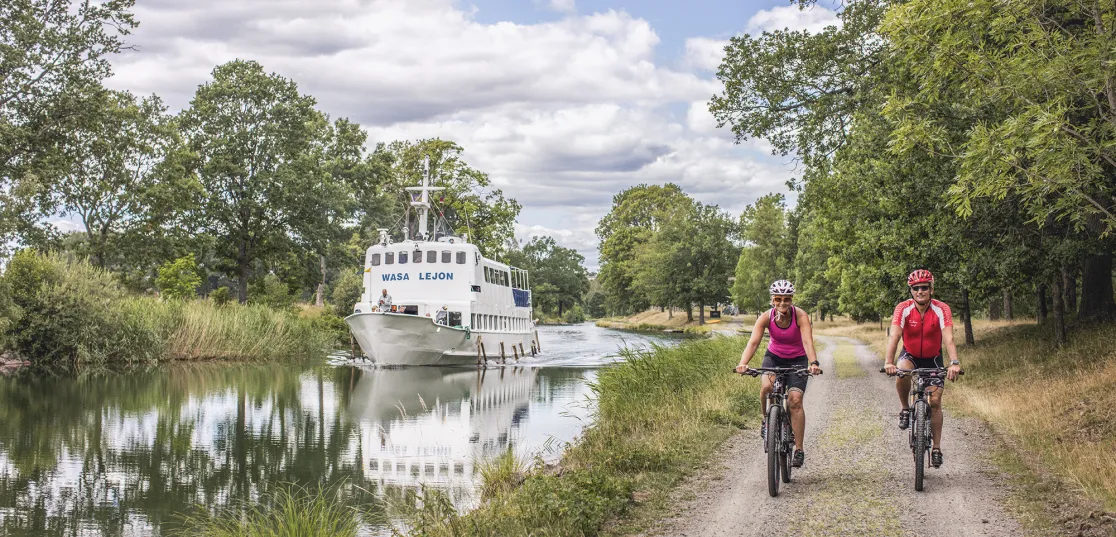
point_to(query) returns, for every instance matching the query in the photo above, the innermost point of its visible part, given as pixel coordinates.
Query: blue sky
(562, 102)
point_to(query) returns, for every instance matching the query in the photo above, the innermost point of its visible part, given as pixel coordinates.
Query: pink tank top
(785, 342)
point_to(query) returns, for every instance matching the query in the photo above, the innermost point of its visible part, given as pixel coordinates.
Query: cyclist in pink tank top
(791, 345)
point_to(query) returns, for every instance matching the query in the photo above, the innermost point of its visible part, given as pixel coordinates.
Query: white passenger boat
(485, 305)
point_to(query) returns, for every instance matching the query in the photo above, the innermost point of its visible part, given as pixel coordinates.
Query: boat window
(507, 279)
(389, 258)
(460, 258)
(402, 258)
(418, 256)
(374, 260)
(446, 256)
(431, 256)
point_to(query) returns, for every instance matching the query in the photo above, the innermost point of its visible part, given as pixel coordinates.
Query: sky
(564, 103)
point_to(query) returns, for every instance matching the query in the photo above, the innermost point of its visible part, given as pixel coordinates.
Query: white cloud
(562, 115)
(813, 19)
(705, 53)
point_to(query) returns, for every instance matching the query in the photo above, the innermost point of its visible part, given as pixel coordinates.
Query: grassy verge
(1054, 408)
(67, 312)
(658, 416)
(289, 512)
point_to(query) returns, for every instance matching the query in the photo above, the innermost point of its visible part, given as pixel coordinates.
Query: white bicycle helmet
(782, 287)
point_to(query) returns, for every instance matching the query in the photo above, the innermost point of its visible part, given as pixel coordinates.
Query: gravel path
(858, 478)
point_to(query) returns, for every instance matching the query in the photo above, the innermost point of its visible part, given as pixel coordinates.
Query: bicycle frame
(779, 444)
(919, 429)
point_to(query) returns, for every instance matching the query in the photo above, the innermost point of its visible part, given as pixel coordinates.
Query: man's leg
(798, 416)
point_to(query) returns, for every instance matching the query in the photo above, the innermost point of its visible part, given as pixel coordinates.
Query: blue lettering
(387, 277)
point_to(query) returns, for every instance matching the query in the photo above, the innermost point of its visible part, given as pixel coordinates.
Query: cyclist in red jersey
(926, 325)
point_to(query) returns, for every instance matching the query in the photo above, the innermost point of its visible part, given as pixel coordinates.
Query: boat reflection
(432, 427)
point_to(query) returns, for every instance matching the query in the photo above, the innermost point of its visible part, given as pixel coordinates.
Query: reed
(289, 512)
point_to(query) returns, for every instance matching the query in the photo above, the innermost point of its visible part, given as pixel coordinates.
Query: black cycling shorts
(793, 381)
(925, 362)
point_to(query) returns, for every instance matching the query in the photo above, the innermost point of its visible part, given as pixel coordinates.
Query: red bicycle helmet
(920, 276)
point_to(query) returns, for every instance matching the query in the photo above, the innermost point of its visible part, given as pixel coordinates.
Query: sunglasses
(920, 288)
(779, 300)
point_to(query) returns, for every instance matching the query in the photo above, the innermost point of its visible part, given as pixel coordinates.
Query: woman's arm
(753, 341)
(807, 338)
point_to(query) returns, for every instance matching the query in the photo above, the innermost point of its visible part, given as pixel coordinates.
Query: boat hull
(398, 339)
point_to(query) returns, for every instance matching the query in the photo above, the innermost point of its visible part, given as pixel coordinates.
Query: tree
(121, 151)
(178, 279)
(51, 51)
(558, 279)
(254, 136)
(636, 216)
(766, 256)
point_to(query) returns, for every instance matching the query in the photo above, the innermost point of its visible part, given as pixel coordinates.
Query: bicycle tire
(774, 426)
(786, 445)
(922, 419)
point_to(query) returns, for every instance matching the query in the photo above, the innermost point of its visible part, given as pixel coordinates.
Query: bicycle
(779, 444)
(921, 435)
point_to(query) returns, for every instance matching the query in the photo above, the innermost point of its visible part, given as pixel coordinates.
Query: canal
(131, 453)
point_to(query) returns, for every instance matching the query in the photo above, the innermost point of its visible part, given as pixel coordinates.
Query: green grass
(289, 512)
(846, 362)
(659, 415)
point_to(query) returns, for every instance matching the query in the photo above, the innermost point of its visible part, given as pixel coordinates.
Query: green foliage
(558, 279)
(179, 279)
(52, 51)
(768, 253)
(595, 304)
(636, 216)
(220, 296)
(271, 292)
(574, 315)
(346, 293)
(289, 512)
(73, 312)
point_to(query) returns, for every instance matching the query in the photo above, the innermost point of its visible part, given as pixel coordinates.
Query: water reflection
(126, 454)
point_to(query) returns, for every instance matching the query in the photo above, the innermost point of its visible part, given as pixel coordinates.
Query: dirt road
(858, 477)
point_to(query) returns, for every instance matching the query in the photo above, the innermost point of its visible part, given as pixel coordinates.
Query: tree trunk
(1059, 310)
(319, 300)
(1007, 304)
(1069, 288)
(1040, 306)
(995, 310)
(1096, 288)
(242, 269)
(701, 313)
(670, 313)
(967, 313)
(690, 313)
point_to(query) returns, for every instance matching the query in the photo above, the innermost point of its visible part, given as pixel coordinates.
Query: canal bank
(131, 453)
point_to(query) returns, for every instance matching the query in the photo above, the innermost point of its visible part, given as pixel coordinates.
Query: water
(123, 454)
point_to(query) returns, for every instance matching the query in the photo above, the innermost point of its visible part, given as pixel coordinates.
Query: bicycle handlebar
(800, 371)
(928, 371)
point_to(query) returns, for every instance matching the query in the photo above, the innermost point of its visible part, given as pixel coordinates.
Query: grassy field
(1055, 408)
(659, 415)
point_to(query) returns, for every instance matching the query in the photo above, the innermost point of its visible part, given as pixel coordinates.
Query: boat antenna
(422, 204)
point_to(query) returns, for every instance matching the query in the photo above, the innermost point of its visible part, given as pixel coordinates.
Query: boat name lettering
(403, 276)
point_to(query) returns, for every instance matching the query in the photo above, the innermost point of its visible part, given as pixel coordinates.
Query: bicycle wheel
(786, 449)
(921, 412)
(774, 444)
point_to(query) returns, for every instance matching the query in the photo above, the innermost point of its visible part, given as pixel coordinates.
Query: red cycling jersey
(922, 332)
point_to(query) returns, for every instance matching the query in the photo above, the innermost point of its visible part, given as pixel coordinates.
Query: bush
(8, 311)
(178, 279)
(220, 296)
(574, 315)
(270, 291)
(346, 293)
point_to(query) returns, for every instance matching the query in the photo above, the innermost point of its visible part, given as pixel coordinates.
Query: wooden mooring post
(515, 351)
(503, 355)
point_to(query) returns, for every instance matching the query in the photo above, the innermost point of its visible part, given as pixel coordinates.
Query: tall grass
(658, 416)
(69, 312)
(289, 512)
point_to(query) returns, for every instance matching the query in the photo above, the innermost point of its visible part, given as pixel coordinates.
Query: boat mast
(422, 205)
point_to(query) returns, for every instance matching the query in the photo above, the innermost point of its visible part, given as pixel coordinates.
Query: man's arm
(951, 350)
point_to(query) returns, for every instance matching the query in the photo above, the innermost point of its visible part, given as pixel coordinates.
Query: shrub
(178, 279)
(574, 315)
(220, 296)
(270, 291)
(346, 292)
